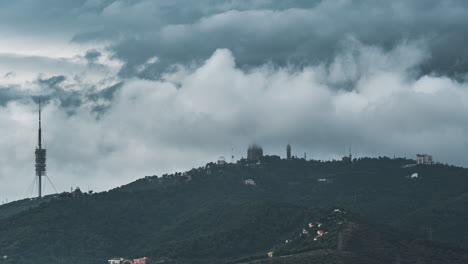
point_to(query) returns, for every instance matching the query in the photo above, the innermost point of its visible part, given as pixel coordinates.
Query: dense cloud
(298, 32)
(134, 88)
(92, 55)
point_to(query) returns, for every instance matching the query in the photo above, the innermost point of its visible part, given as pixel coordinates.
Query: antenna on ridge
(40, 156)
(40, 129)
(232, 155)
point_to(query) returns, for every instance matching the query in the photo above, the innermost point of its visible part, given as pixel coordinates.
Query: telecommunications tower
(40, 157)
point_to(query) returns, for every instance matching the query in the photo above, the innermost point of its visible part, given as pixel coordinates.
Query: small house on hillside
(321, 233)
(249, 182)
(144, 260)
(115, 261)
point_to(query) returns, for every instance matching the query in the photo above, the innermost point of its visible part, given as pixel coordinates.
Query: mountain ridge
(170, 216)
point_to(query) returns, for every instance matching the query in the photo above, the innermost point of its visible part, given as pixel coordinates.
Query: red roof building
(144, 260)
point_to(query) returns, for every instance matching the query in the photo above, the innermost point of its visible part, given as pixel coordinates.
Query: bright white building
(249, 182)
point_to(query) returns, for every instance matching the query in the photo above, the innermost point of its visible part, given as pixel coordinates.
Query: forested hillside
(213, 214)
(15, 207)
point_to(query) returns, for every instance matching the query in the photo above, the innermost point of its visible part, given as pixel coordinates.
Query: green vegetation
(208, 215)
(15, 207)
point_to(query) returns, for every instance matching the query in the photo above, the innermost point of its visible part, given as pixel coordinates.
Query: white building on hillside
(249, 182)
(424, 159)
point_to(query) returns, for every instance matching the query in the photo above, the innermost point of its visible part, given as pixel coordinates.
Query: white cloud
(198, 115)
(202, 77)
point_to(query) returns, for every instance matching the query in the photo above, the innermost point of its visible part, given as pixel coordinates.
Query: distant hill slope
(95, 231)
(9, 209)
(215, 233)
(380, 189)
(210, 214)
(361, 243)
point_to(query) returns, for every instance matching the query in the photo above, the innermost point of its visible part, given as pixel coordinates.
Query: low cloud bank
(369, 97)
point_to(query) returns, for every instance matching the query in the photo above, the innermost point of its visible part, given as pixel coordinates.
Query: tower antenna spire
(40, 130)
(40, 157)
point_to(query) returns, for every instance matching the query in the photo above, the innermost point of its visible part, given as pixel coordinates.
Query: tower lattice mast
(40, 157)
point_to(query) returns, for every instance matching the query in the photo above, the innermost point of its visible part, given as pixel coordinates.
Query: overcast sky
(143, 87)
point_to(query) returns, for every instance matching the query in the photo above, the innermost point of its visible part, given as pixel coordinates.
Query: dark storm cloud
(107, 93)
(52, 82)
(282, 32)
(69, 99)
(92, 55)
(8, 94)
(55, 89)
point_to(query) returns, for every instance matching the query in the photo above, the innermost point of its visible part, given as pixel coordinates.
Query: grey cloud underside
(70, 100)
(283, 32)
(295, 34)
(92, 56)
(53, 88)
(51, 82)
(8, 94)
